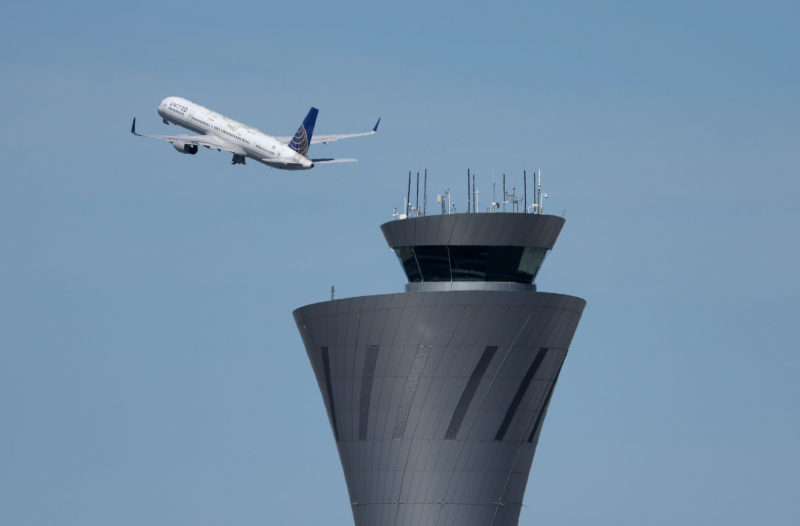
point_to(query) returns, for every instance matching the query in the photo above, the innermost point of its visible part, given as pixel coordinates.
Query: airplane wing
(209, 141)
(332, 138)
(331, 161)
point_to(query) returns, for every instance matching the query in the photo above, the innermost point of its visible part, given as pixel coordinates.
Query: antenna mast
(525, 189)
(469, 192)
(425, 195)
(504, 193)
(416, 214)
(474, 195)
(408, 200)
(540, 191)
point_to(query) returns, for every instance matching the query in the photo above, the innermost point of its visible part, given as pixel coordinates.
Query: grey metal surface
(428, 357)
(412, 382)
(516, 230)
(442, 286)
(367, 376)
(469, 392)
(520, 394)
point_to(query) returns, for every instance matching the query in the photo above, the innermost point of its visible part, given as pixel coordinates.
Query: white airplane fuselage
(251, 142)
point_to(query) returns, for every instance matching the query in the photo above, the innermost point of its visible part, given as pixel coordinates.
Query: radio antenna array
(420, 208)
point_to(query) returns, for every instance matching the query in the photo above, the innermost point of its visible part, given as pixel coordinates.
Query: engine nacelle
(182, 147)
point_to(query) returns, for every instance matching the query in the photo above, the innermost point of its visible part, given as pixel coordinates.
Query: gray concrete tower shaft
(436, 399)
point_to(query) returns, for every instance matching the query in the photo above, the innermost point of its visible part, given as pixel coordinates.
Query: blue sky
(150, 370)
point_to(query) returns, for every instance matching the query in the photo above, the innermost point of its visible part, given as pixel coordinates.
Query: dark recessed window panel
(470, 263)
(434, 263)
(409, 263)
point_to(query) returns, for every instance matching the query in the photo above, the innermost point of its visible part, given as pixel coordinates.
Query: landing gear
(165, 121)
(238, 159)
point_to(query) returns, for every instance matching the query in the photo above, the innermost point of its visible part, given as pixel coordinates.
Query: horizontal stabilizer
(331, 161)
(315, 139)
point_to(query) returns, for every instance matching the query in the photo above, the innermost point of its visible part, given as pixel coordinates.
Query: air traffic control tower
(436, 396)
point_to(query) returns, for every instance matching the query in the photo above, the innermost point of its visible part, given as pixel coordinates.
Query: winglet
(133, 127)
(375, 129)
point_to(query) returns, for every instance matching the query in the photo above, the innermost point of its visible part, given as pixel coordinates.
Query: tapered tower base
(436, 399)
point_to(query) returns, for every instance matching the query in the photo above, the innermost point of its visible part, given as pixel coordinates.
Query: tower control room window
(409, 263)
(434, 263)
(471, 263)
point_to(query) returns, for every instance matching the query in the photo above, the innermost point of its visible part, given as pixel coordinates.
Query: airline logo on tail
(302, 138)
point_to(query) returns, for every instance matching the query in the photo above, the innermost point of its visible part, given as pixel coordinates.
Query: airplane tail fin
(302, 138)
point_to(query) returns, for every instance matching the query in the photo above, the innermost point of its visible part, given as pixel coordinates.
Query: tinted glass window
(409, 263)
(468, 263)
(434, 262)
(502, 263)
(531, 260)
(471, 263)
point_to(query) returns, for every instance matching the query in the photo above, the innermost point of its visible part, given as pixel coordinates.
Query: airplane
(221, 133)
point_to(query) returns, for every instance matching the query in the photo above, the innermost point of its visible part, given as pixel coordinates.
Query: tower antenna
(408, 200)
(469, 192)
(474, 195)
(540, 190)
(425, 195)
(525, 189)
(416, 214)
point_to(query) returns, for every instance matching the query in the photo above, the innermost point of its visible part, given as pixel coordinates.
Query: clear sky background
(150, 369)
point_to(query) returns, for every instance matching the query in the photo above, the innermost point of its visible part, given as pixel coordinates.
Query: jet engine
(182, 147)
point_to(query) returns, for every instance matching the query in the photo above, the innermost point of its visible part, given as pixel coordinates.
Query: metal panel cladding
(436, 399)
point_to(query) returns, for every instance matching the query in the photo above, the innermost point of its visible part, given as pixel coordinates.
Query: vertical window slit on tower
(540, 416)
(523, 387)
(327, 367)
(367, 374)
(411, 387)
(469, 392)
